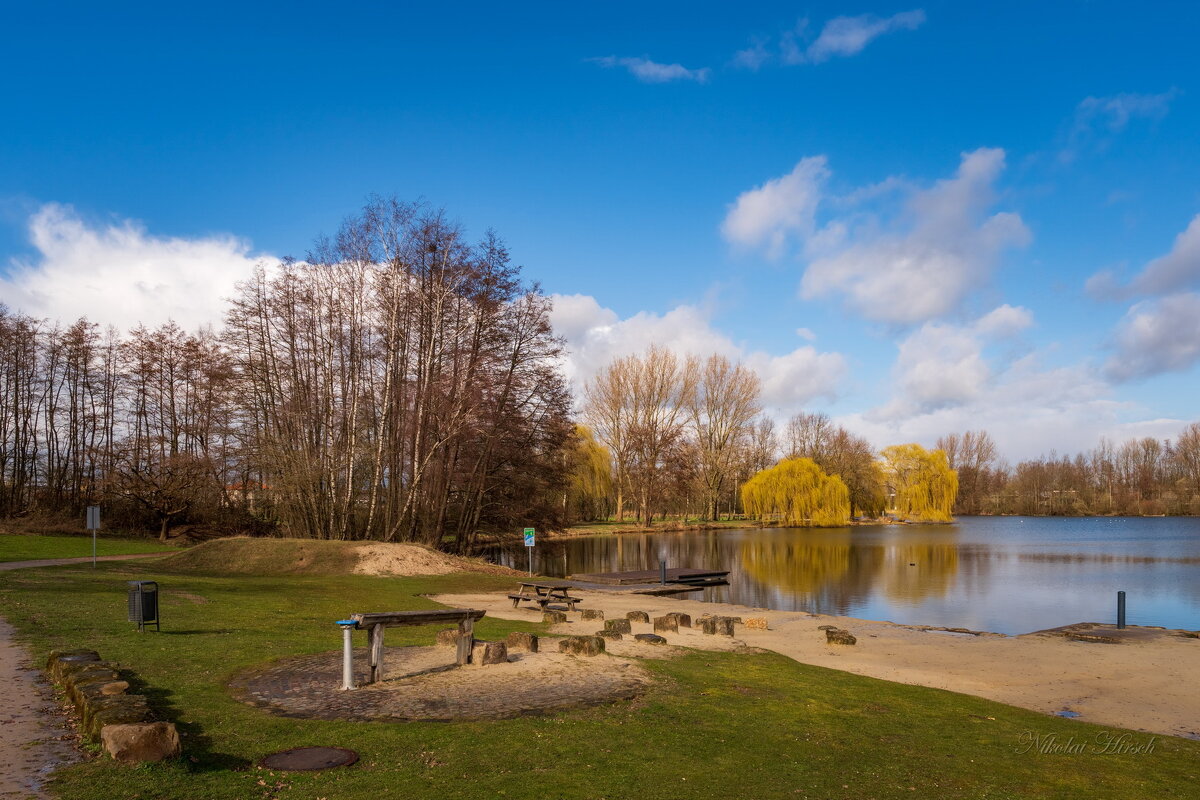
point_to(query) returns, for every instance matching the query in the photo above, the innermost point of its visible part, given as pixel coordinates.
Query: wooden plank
(375, 657)
(391, 618)
(674, 575)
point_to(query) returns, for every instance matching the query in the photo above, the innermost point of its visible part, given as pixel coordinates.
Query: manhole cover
(309, 758)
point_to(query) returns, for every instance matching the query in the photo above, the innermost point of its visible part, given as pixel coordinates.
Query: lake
(1003, 574)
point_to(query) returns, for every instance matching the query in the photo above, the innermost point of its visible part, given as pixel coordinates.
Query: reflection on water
(1005, 574)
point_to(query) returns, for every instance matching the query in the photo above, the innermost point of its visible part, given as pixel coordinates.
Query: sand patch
(422, 684)
(409, 559)
(1146, 683)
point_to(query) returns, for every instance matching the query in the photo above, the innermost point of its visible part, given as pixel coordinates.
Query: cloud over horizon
(120, 274)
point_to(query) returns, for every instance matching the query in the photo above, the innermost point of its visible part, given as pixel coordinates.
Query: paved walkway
(58, 562)
(34, 736)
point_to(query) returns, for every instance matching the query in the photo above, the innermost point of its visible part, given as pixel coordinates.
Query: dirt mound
(379, 558)
(242, 555)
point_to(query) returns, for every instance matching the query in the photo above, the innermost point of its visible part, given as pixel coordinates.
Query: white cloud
(1098, 119)
(847, 36)
(596, 335)
(941, 365)
(943, 243)
(1177, 269)
(807, 334)
(1155, 336)
(648, 71)
(768, 215)
(120, 274)
(840, 36)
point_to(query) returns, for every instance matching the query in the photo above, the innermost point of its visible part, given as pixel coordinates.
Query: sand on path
(34, 734)
(32, 727)
(1147, 685)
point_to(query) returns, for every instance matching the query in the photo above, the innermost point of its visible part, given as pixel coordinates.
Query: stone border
(123, 723)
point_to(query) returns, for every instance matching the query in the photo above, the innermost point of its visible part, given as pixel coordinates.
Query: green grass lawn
(716, 725)
(22, 547)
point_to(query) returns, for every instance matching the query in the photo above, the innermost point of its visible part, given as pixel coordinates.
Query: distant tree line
(1143, 476)
(685, 437)
(400, 383)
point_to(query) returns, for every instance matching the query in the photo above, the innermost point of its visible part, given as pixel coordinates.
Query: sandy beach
(1144, 684)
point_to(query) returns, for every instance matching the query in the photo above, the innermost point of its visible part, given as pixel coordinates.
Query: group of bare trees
(400, 383)
(685, 433)
(679, 430)
(1138, 477)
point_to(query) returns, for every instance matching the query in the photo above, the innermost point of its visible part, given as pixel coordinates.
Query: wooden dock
(678, 577)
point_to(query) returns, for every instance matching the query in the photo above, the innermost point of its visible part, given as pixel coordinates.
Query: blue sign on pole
(529, 537)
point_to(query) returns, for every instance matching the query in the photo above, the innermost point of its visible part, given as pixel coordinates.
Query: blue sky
(896, 213)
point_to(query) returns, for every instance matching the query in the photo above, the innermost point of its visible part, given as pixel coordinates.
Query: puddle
(1066, 712)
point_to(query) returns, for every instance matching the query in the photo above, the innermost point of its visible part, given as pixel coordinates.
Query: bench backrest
(392, 618)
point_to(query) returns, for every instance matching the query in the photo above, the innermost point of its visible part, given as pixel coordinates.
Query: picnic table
(544, 594)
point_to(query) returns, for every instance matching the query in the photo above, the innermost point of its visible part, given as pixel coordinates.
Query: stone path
(530, 683)
(58, 562)
(34, 736)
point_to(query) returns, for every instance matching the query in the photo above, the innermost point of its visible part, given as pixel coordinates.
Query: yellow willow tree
(924, 486)
(797, 492)
(591, 479)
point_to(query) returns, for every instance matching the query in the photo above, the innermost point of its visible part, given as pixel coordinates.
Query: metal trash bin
(143, 604)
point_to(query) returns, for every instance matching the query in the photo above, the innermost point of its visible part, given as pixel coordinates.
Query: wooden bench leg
(375, 654)
(466, 641)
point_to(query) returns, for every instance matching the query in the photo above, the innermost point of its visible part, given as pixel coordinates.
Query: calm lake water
(1003, 574)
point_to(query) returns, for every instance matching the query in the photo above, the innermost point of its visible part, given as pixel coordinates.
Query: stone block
(119, 709)
(667, 623)
(553, 617)
(613, 635)
(637, 616)
(717, 626)
(839, 636)
(618, 625)
(138, 743)
(591, 613)
(649, 638)
(448, 637)
(485, 653)
(520, 640)
(581, 645)
(757, 623)
(683, 620)
(828, 628)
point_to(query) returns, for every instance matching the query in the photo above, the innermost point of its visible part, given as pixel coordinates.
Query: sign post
(93, 524)
(530, 541)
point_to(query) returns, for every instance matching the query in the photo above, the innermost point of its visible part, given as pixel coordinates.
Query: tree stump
(684, 620)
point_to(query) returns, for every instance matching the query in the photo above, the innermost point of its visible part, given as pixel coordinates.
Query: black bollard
(1120, 609)
(662, 572)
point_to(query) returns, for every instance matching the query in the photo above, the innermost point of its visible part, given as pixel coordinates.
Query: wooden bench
(375, 624)
(544, 594)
